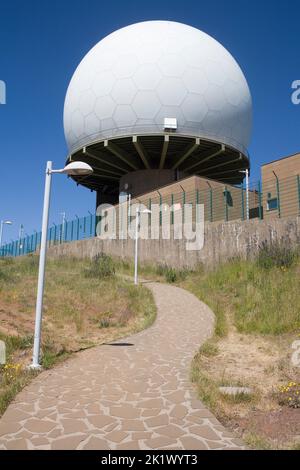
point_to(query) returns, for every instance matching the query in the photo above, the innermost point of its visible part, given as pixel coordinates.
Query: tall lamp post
(137, 221)
(73, 168)
(3, 222)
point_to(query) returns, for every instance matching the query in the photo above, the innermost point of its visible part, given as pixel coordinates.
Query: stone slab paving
(135, 394)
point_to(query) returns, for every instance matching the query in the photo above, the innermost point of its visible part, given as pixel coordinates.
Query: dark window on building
(272, 204)
(228, 198)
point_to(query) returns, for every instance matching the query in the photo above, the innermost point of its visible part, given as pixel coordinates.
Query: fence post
(210, 205)
(77, 232)
(160, 209)
(298, 185)
(91, 225)
(72, 229)
(149, 207)
(226, 204)
(84, 225)
(183, 206)
(278, 195)
(242, 197)
(197, 204)
(259, 202)
(54, 241)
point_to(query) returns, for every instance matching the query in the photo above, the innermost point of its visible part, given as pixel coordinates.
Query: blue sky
(42, 42)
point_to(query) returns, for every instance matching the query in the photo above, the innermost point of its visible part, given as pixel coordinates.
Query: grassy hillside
(85, 304)
(257, 308)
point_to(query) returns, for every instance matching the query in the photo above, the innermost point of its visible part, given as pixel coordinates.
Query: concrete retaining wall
(222, 242)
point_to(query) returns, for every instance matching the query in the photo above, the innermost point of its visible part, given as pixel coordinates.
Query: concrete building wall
(284, 167)
(222, 242)
(221, 202)
(285, 188)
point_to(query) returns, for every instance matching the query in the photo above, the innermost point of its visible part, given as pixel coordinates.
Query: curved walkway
(135, 394)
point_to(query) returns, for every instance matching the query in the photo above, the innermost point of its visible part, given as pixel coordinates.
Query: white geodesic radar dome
(137, 76)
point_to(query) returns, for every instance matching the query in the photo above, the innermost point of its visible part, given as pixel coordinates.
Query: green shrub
(6, 265)
(27, 265)
(209, 349)
(101, 266)
(161, 269)
(277, 254)
(170, 274)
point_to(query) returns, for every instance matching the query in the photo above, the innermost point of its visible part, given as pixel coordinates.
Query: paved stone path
(135, 394)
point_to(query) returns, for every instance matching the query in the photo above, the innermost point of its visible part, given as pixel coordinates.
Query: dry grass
(257, 308)
(80, 311)
(258, 318)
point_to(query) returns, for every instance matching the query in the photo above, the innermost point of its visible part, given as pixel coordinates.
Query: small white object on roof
(170, 123)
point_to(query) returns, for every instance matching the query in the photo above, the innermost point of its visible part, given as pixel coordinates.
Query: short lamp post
(3, 222)
(73, 168)
(246, 172)
(137, 221)
(62, 233)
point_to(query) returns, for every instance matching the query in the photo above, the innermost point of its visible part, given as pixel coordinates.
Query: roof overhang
(113, 158)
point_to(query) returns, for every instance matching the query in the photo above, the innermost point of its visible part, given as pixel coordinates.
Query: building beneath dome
(156, 102)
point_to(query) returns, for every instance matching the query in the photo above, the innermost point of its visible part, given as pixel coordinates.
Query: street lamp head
(77, 168)
(8, 222)
(144, 211)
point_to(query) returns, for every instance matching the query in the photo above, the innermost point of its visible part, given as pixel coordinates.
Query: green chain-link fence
(273, 198)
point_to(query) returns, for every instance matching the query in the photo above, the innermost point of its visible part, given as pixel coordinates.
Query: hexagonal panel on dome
(194, 107)
(195, 80)
(146, 104)
(125, 66)
(212, 121)
(147, 77)
(171, 91)
(92, 124)
(103, 83)
(232, 92)
(171, 66)
(215, 73)
(215, 98)
(124, 115)
(124, 91)
(105, 107)
(77, 123)
(87, 102)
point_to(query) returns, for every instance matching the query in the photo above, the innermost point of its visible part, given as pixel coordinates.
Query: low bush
(170, 274)
(276, 254)
(102, 266)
